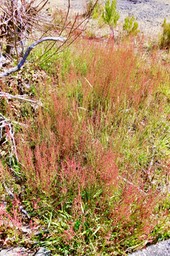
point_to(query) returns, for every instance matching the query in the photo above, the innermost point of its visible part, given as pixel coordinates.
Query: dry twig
(6, 125)
(29, 49)
(19, 97)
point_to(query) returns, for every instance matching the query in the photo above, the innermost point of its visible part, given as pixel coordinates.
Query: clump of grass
(96, 153)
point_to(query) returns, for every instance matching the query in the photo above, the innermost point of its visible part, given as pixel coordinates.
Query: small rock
(43, 252)
(159, 249)
(3, 61)
(15, 252)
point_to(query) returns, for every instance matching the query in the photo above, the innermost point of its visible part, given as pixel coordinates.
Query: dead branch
(17, 19)
(72, 28)
(132, 184)
(13, 197)
(19, 97)
(6, 125)
(8, 191)
(29, 49)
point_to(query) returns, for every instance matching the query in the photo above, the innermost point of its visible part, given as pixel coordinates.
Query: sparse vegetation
(110, 15)
(131, 26)
(165, 38)
(86, 168)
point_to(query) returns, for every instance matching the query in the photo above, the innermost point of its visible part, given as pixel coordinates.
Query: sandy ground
(76, 5)
(150, 14)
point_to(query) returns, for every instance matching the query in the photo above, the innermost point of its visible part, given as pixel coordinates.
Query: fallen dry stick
(29, 49)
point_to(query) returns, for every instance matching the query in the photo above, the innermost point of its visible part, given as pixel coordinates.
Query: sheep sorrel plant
(94, 154)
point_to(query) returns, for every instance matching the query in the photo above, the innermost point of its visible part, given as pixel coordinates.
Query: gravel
(20, 251)
(150, 14)
(15, 252)
(159, 249)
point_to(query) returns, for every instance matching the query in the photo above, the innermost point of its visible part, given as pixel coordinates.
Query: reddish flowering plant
(12, 219)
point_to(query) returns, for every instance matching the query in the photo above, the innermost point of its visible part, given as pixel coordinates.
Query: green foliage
(45, 57)
(165, 38)
(97, 11)
(110, 15)
(130, 26)
(81, 66)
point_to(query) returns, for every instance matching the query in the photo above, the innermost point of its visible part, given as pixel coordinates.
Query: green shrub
(110, 15)
(130, 25)
(165, 38)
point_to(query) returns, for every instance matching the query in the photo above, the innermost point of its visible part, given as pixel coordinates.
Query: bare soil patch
(150, 14)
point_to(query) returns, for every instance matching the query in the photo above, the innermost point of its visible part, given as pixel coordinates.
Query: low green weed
(110, 14)
(131, 26)
(165, 38)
